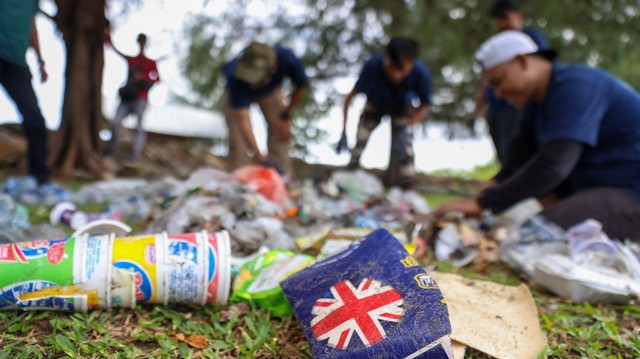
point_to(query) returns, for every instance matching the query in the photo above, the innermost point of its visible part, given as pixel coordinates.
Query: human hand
(342, 144)
(484, 186)
(415, 118)
(107, 36)
(268, 162)
(468, 206)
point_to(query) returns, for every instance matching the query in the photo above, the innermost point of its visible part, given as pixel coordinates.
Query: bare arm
(345, 108)
(35, 43)
(419, 114)
(294, 100)
(242, 115)
(110, 43)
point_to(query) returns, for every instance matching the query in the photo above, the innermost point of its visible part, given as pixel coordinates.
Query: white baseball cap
(507, 45)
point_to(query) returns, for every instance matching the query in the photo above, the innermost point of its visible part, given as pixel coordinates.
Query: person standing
(18, 32)
(134, 96)
(391, 81)
(256, 76)
(504, 119)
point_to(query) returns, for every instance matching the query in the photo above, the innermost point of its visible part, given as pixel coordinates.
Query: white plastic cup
(92, 266)
(218, 267)
(185, 268)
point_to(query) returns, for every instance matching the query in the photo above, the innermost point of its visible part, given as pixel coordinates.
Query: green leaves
(334, 38)
(150, 331)
(63, 343)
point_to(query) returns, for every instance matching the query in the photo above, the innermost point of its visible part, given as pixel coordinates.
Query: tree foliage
(335, 37)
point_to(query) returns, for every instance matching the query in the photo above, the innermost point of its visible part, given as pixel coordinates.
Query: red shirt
(147, 69)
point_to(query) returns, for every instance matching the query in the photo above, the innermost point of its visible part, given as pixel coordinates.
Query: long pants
(271, 107)
(125, 109)
(401, 171)
(17, 82)
(618, 211)
(504, 125)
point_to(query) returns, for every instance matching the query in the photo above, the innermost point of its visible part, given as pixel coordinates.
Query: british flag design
(358, 310)
(367, 302)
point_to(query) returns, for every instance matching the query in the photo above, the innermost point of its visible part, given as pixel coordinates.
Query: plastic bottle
(9, 231)
(7, 210)
(67, 214)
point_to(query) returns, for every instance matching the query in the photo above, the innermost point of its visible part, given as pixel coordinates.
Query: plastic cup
(33, 266)
(140, 255)
(70, 274)
(219, 267)
(185, 268)
(100, 271)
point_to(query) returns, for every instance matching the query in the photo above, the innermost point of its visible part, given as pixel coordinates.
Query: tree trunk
(75, 144)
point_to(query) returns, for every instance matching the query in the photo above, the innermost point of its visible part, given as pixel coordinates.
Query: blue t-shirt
(594, 108)
(496, 104)
(241, 94)
(16, 17)
(386, 95)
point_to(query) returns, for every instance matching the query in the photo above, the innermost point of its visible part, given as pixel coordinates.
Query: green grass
(150, 332)
(574, 330)
(479, 173)
(436, 199)
(590, 331)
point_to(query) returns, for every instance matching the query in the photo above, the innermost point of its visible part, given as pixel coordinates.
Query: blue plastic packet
(372, 300)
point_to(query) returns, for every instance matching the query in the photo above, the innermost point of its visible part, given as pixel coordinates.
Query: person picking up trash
(583, 125)
(256, 76)
(391, 81)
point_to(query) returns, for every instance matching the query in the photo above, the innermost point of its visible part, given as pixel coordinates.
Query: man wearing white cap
(584, 126)
(256, 76)
(503, 119)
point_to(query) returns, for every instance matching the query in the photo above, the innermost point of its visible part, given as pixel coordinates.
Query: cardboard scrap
(458, 349)
(498, 320)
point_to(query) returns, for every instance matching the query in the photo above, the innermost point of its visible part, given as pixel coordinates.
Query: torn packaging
(371, 300)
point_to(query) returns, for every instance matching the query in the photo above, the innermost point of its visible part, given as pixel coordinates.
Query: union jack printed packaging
(372, 300)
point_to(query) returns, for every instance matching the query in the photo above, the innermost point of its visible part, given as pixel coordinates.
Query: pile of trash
(581, 263)
(251, 207)
(320, 217)
(309, 249)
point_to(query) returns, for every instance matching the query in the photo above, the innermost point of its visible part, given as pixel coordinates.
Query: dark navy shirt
(594, 108)
(386, 95)
(498, 104)
(241, 94)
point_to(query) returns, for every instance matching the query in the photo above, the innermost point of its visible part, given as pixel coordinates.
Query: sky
(162, 21)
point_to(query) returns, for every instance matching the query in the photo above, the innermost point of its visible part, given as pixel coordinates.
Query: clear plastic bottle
(7, 210)
(9, 232)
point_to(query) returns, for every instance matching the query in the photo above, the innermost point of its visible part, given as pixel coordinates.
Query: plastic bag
(266, 180)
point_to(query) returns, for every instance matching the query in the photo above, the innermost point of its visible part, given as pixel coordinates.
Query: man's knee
(618, 211)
